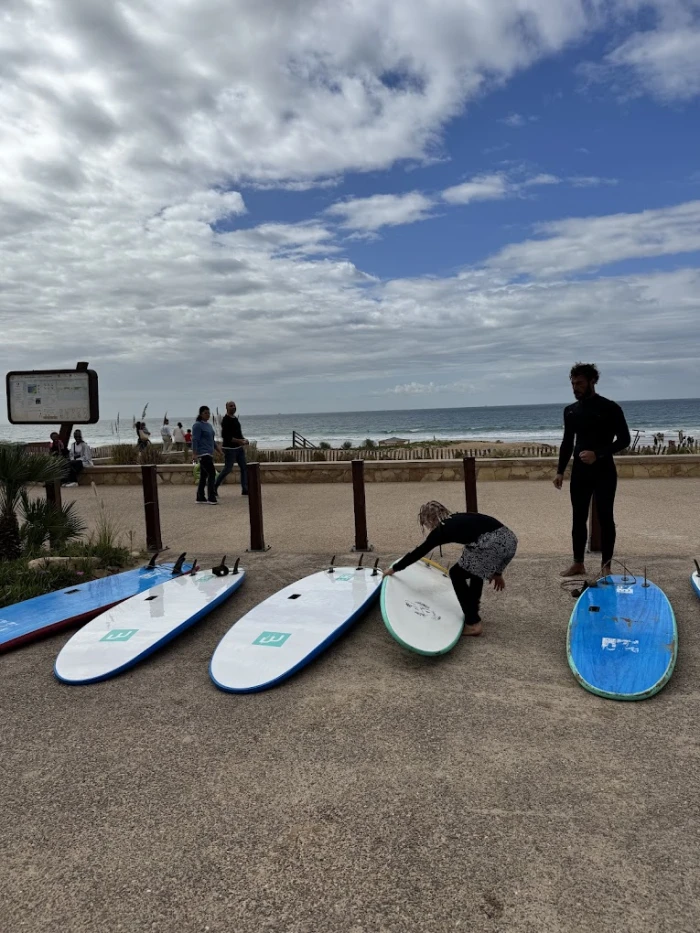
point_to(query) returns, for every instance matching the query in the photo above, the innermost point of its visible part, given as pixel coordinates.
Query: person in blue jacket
(203, 447)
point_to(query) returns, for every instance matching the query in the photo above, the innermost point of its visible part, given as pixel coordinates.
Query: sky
(317, 205)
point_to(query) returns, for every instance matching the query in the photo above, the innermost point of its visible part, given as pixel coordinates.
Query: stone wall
(404, 471)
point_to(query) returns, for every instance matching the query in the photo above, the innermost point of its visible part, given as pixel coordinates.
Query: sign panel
(59, 396)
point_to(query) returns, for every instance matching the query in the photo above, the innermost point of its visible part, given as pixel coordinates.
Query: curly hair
(587, 370)
(432, 514)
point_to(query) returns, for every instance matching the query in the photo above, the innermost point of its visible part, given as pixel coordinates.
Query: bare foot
(472, 629)
(575, 570)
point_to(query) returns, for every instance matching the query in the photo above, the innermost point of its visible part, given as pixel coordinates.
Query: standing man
(594, 430)
(233, 444)
(166, 435)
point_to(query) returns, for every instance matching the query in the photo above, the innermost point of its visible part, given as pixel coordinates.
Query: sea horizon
(528, 424)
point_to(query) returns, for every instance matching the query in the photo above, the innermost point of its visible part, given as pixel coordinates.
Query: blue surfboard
(622, 641)
(43, 615)
(695, 579)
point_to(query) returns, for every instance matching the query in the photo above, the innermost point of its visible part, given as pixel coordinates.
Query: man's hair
(587, 370)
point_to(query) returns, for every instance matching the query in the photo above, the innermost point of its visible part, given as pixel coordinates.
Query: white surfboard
(286, 631)
(420, 609)
(125, 635)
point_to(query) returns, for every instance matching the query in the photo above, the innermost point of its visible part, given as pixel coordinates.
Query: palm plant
(19, 468)
(46, 522)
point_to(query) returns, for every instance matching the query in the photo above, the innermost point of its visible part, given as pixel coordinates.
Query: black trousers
(75, 468)
(586, 480)
(207, 477)
(468, 589)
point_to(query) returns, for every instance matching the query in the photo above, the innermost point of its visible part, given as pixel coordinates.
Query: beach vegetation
(46, 523)
(347, 445)
(18, 470)
(318, 455)
(124, 454)
(152, 454)
(324, 445)
(368, 444)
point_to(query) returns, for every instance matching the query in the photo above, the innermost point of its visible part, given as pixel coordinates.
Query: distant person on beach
(166, 434)
(594, 430)
(489, 546)
(179, 436)
(79, 456)
(143, 435)
(57, 448)
(188, 437)
(233, 444)
(203, 447)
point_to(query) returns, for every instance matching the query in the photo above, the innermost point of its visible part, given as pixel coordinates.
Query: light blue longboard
(695, 579)
(622, 641)
(44, 615)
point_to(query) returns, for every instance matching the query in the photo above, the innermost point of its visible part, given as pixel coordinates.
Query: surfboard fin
(178, 564)
(195, 567)
(222, 570)
(152, 562)
(235, 566)
(375, 571)
(697, 565)
(359, 563)
(331, 569)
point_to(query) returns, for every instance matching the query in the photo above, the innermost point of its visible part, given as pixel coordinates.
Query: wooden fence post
(470, 483)
(149, 480)
(360, 509)
(257, 535)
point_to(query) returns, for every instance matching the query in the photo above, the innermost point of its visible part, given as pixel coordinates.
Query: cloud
(663, 63)
(591, 181)
(581, 243)
(382, 210)
(517, 120)
(427, 388)
(479, 188)
(543, 179)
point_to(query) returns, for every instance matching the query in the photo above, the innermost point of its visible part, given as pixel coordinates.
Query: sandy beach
(377, 791)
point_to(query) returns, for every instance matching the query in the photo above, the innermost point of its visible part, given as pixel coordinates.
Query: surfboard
(42, 615)
(420, 609)
(695, 579)
(123, 636)
(292, 627)
(622, 641)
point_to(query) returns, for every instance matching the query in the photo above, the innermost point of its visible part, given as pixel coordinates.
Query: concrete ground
(377, 791)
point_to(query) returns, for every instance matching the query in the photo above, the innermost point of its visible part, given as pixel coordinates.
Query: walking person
(489, 546)
(143, 435)
(203, 448)
(79, 457)
(594, 430)
(179, 436)
(233, 444)
(166, 435)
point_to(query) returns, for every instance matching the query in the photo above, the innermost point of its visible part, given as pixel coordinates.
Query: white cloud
(591, 181)
(518, 119)
(579, 243)
(543, 179)
(479, 188)
(663, 63)
(428, 388)
(382, 210)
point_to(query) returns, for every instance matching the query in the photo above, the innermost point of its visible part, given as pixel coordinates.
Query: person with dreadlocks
(489, 546)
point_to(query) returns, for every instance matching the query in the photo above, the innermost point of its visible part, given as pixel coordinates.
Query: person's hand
(246, 443)
(587, 456)
(498, 582)
(388, 573)
(558, 480)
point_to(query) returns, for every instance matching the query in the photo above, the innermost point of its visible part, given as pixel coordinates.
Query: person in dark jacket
(489, 546)
(594, 430)
(233, 445)
(203, 447)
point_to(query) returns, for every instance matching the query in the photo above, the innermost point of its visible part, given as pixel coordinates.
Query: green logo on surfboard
(272, 639)
(119, 634)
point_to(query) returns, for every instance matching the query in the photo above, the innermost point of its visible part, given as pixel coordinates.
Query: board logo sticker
(628, 644)
(423, 610)
(624, 589)
(272, 639)
(119, 634)
(6, 625)
(344, 577)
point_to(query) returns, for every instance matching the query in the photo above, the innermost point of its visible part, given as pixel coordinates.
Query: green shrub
(124, 454)
(324, 445)
(47, 523)
(318, 455)
(347, 445)
(152, 454)
(369, 444)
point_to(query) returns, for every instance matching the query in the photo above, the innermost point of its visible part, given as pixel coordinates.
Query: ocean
(522, 423)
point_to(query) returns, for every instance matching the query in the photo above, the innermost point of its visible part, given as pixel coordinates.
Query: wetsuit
(461, 528)
(594, 423)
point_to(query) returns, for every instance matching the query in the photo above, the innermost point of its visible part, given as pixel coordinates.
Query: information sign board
(58, 396)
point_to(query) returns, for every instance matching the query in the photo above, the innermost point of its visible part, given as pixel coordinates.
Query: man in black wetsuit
(594, 430)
